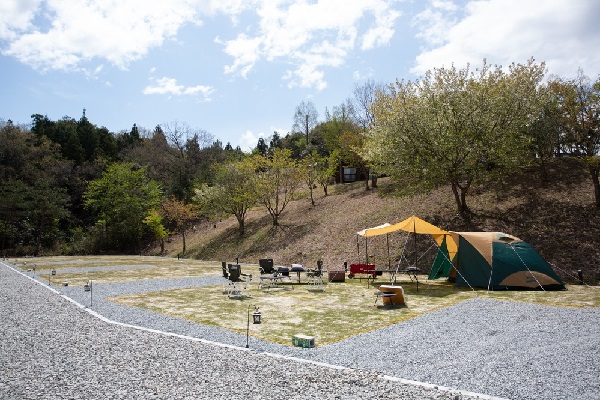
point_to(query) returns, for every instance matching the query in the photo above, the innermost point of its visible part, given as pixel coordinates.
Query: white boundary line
(229, 346)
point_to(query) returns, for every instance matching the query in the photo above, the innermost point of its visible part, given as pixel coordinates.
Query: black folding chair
(315, 276)
(266, 266)
(238, 282)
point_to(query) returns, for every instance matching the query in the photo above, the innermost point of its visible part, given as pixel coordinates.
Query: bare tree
(364, 97)
(305, 118)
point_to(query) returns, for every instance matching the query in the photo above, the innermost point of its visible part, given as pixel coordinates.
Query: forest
(71, 186)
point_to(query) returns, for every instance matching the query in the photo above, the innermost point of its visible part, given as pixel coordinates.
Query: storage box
(303, 341)
(337, 276)
(397, 299)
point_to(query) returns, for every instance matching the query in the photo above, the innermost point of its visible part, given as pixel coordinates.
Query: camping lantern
(255, 319)
(256, 316)
(88, 288)
(52, 273)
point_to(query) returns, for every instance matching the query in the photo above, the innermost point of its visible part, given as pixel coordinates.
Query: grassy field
(341, 310)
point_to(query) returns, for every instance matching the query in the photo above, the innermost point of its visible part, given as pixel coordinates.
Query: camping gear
(337, 276)
(266, 266)
(496, 261)
(414, 225)
(391, 295)
(303, 341)
(367, 269)
(238, 282)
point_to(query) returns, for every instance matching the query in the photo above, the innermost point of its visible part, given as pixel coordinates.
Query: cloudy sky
(239, 68)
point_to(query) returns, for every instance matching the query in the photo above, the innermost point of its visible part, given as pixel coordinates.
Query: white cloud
(16, 16)
(558, 32)
(169, 86)
(117, 31)
(245, 52)
(248, 140)
(311, 36)
(359, 76)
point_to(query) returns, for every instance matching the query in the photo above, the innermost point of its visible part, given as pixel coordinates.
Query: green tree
(276, 181)
(316, 169)
(326, 169)
(88, 137)
(233, 192)
(121, 199)
(275, 142)
(154, 222)
(194, 157)
(178, 215)
(351, 146)
(579, 104)
(32, 177)
(544, 135)
(309, 171)
(262, 148)
(45, 207)
(455, 126)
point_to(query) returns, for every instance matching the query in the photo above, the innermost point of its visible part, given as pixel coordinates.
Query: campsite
(187, 294)
(351, 326)
(324, 232)
(332, 312)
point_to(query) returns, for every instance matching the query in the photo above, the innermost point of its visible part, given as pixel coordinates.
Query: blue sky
(238, 68)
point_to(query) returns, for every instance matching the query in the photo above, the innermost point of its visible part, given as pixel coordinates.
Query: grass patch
(340, 311)
(136, 268)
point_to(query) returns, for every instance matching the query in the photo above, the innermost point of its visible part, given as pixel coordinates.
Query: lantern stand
(256, 315)
(52, 273)
(88, 288)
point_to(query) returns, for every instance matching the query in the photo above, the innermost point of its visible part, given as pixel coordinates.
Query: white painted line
(441, 388)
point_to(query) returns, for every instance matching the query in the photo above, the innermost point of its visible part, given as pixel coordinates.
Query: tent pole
(416, 257)
(387, 239)
(367, 249)
(415, 233)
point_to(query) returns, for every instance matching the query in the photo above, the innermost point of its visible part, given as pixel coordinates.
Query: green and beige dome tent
(493, 260)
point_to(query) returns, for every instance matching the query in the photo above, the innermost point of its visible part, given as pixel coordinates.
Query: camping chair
(266, 266)
(315, 277)
(238, 282)
(226, 280)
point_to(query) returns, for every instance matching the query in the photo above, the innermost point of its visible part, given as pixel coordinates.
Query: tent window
(505, 239)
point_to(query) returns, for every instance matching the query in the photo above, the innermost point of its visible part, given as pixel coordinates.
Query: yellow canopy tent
(416, 226)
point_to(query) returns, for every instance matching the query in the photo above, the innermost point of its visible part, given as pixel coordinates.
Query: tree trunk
(460, 196)
(374, 181)
(241, 226)
(543, 169)
(183, 237)
(595, 172)
(312, 200)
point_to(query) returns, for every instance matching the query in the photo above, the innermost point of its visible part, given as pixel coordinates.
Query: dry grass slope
(557, 218)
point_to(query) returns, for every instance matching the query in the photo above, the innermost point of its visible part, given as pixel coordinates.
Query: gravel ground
(52, 349)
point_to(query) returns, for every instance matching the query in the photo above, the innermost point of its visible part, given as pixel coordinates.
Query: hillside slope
(557, 218)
